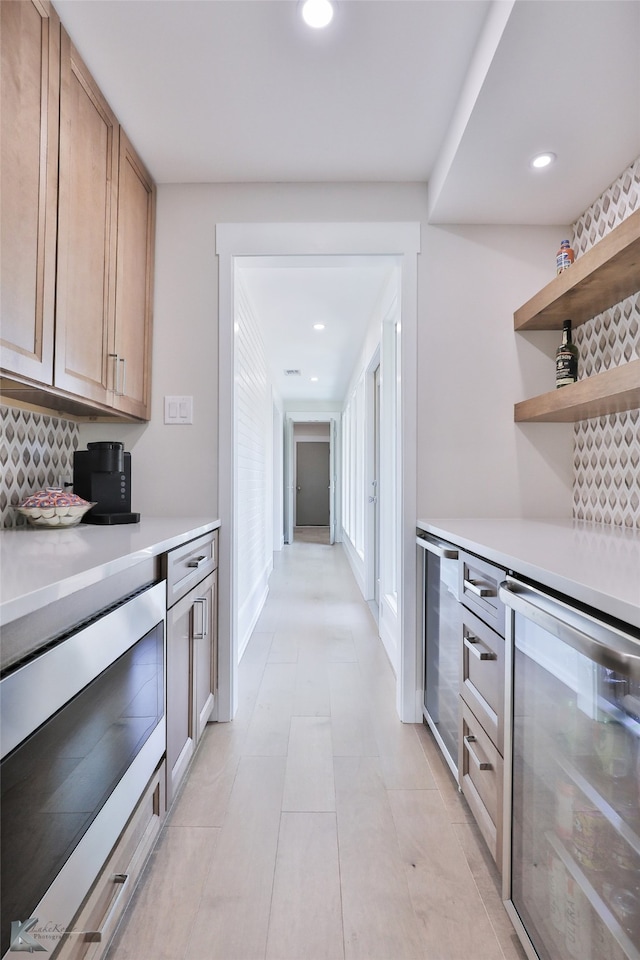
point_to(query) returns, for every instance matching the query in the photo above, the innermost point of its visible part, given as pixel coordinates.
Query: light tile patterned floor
(316, 826)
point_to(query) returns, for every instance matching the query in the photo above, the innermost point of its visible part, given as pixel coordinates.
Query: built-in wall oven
(83, 732)
(441, 632)
(572, 779)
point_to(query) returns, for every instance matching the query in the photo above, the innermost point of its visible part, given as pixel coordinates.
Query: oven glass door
(56, 782)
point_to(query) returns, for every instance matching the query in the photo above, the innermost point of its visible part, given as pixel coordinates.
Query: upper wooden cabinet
(77, 336)
(87, 223)
(131, 351)
(30, 78)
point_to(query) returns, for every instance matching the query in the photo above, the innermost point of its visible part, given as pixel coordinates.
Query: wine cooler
(572, 861)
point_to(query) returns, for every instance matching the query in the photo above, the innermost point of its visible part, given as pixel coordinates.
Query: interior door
(312, 484)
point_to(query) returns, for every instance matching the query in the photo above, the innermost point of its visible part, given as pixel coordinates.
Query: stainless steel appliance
(572, 861)
(102, 475)
(83, 732)
(442, 633)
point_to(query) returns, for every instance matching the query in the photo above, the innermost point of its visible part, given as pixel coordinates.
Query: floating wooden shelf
(604, 275)
(612, 391)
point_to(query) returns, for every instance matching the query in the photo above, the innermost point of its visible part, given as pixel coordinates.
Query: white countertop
(40, 566)
(594, 564)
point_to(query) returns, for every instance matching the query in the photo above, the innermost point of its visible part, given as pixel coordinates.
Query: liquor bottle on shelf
(566, 358)
(564, 257)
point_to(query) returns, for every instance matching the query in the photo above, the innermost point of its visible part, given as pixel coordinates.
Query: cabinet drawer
(189, 564)
(478, 589)
(482, 679)
(99, 916)
(481, 777)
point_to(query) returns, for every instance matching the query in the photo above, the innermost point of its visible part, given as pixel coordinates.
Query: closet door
(89, 142)
(30, 41)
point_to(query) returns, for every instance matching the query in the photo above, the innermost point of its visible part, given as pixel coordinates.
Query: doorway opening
(400, 242)
(312, 520)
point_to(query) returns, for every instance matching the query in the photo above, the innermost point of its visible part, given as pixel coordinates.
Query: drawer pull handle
(96, 936)
(481, 764)
(479, 591)
(197, 561)
(473, 644)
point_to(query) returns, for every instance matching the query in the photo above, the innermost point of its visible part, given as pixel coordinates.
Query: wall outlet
(178, 410)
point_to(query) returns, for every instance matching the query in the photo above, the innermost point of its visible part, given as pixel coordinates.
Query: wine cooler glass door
(442, 643)
(574, 863)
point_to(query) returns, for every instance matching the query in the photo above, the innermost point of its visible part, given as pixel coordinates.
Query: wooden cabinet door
(30, 44)
(134, 280)
(192, 663)
(181, 734)
(86, 233)
(205, 650)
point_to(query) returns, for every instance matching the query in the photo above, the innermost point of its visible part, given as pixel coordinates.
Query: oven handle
(438, 547)
(603, 643)
(96, 936)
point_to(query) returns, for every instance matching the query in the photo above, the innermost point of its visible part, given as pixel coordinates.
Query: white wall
(254, 467)
(472, 367)
(278, 475)
(473, 460)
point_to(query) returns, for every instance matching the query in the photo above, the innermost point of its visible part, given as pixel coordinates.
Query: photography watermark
(22, 940)
(30, 936)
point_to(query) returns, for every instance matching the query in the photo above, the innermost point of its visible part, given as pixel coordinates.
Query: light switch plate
(178, 410)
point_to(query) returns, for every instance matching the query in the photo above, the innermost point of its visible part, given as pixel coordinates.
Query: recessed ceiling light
(317, 13)
(542, 160)
(318, 326)
(313, 379)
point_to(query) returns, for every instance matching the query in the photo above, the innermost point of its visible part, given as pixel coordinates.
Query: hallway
(316, 826)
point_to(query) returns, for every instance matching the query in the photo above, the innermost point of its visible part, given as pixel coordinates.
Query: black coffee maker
(102, 473)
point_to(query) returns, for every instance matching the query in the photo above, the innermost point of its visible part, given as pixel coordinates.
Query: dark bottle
(566, 358)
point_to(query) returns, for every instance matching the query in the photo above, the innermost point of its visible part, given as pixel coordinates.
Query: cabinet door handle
(123, 388)
(197, 561)
(439, 549)
(96, 936)
(480, 764)
(479, 591)
(473, 645)
(200, 630)
(116, 374)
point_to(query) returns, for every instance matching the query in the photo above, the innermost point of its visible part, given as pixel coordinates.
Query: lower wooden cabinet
(192, 662)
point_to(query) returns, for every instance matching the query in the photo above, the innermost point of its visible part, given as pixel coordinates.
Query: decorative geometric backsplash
(36, 451)
(606, 466)
(606, 461)
(616, 203)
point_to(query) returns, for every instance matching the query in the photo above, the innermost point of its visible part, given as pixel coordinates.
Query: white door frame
(289, 480)
(393, 239)
(333, 419)
(371, 507)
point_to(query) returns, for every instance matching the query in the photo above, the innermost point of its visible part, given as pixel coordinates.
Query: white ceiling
(291, 294)
(456, 93)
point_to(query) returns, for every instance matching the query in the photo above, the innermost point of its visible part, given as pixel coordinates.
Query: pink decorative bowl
(54, 507)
